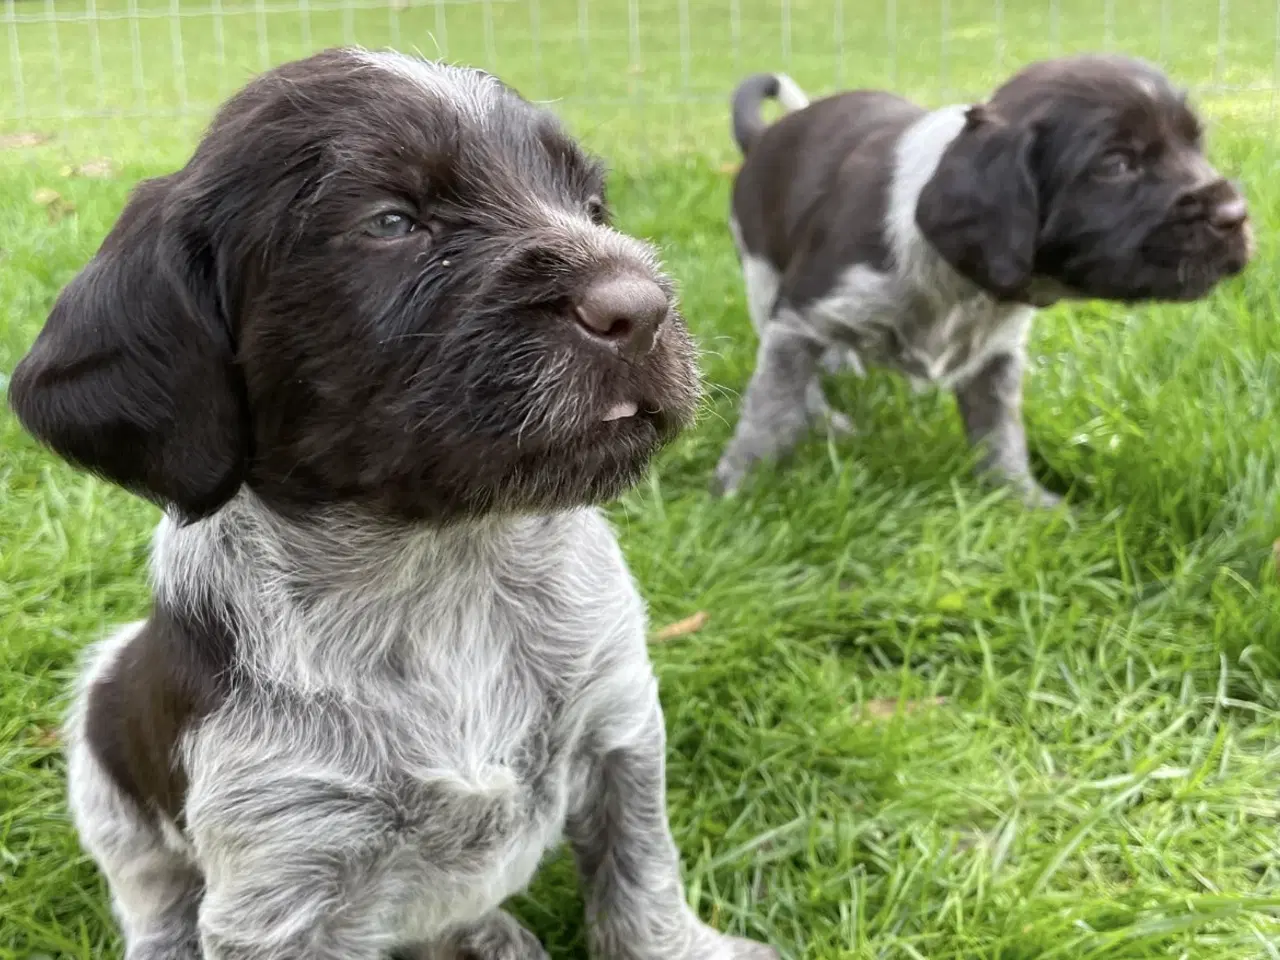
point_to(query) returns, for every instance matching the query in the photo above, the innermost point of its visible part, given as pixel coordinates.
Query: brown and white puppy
(377, 352)
(871, 231)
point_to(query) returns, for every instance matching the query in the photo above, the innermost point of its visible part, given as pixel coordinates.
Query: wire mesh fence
(75, 61)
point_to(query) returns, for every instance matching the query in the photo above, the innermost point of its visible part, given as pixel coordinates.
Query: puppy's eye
(1116, 165)
(596, 210)
(390, 226)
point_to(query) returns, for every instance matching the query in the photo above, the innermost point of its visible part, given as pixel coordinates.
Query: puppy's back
(831, 159)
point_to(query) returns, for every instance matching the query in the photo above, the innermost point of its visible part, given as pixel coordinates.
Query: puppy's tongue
(621, 410)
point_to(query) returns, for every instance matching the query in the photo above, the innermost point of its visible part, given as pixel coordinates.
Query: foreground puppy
(871, 231)
(376, 351)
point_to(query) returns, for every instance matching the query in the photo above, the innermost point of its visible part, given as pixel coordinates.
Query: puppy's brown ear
(981, 210)
(133, 376)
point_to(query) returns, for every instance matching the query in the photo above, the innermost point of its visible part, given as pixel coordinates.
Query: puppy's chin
(1184, 262)
(1177, 263)
(602, 456)
(611, 457)
(623, 414)
(597, 465)
(600, 446)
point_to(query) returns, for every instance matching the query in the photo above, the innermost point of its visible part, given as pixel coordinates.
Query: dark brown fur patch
(245, 324)
(1022, 195)
(172, 674)
(815, 187)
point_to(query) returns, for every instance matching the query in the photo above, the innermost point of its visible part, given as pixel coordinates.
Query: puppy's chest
(931, 341)
(464, 720)
(492, 720)
(482, 774)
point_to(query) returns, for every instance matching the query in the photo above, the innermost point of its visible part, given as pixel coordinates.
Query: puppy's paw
(710, 944)
(498, 937)
(1038, 498)
(739, 948)
(838, 359)
(689, 940)
(728, 478)
(839, 424)
(1023, 486)
(158, 949)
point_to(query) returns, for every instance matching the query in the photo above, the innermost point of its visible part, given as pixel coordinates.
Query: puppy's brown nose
(623, 310)
(1229, 212)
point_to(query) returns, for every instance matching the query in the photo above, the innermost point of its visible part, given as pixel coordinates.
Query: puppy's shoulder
(144, 689)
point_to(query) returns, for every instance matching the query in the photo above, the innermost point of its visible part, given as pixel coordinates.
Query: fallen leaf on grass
(680, 628)
(53, 203)
(883, 708)
(15, 141)
(45, 737)
(98, 169)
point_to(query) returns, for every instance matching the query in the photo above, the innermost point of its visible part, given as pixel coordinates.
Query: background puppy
(375, 350)
(871, 231)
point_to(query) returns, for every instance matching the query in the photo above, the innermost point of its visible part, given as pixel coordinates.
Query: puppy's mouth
(1179, 262)
(621, 410)
(640, 420)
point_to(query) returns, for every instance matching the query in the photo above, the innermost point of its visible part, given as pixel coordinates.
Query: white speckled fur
(431, 680)
(962, 321)
(413, 717)
(920, 316)
(471, 92)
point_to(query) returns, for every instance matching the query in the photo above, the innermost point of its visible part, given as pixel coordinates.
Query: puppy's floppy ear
(133, 376)
(981, 208)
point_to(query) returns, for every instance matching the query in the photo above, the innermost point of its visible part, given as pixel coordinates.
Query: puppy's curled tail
(751, 93)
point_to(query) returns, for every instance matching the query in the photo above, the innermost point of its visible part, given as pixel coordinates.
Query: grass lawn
(919, 722)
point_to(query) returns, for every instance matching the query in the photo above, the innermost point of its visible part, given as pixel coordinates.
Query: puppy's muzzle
(1220, 208)
(1219, 203)
(622, 311)
(1228, 217)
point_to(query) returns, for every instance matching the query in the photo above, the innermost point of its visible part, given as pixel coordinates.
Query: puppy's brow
(471, 92)
(1147, 86)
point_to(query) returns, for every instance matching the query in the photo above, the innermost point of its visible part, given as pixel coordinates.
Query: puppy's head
(378, 281)
(1085, 177)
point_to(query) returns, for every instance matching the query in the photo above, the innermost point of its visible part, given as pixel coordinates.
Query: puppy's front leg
(630, 866)
(991, 406)
(298, 862)
(499, 936)
(777, 406)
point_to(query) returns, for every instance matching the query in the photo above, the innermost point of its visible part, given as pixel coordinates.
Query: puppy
(377, 352)
(873, 232)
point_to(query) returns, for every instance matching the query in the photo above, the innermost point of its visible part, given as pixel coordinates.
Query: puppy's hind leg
(820, 411)
(838, 359)
(155, 889)
(499, 936)
(761, 282)
(776, 409)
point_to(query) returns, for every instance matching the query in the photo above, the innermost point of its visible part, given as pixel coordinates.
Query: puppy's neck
(916, 158)
(311, 599)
